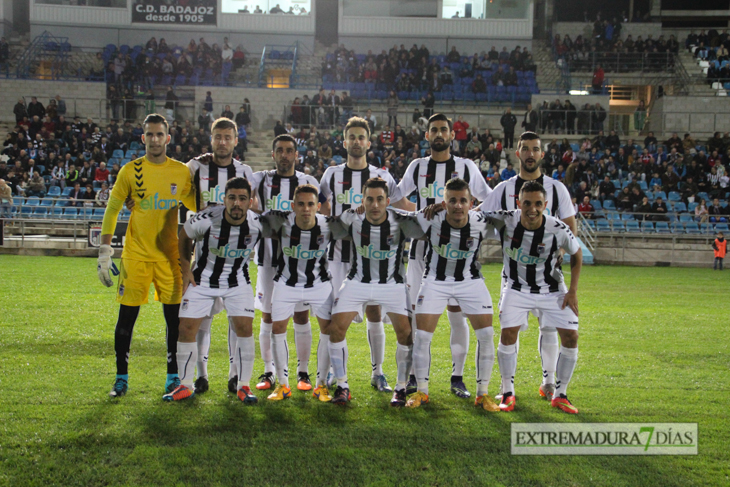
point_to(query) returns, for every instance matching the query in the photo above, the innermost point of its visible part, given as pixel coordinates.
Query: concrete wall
(84, 99)
(573, 29)
(701, 116)
(6, 17)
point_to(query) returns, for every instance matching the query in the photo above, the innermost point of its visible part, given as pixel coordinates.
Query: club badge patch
(320, 239)
(247, 240)
(469, 242)
(184, 305)
(540, 248)
(420, 300)
(454, 175)
(173, 189)
(389, 241)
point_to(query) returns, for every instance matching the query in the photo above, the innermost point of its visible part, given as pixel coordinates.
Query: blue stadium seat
(627, 216)
(57, 212)
(70, 214)
(643, 185)
(677, 227)
(703, 195)
(597, 204)
(603, 226)
(680, 207)
(721, 227)
(662, 227)
(691, 207)
(608, 205)
(632, 226)
(660, 194)
(674, 196)
(118, 153)
(54, 191)
(686, 217)
(706, 228)
(647, 227)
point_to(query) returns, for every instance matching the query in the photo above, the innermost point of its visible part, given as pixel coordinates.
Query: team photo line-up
(335, 248)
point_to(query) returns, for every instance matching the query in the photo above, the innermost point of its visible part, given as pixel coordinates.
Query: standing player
(375, 277)
(557, 204)
(227, 235)
(531, 244)
(275, 192)
(156, 183)
(428, 177)
(342, 186)
(301, 274)
(453, 273)
(210, 173)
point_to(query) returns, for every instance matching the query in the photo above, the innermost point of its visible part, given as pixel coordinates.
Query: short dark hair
(375, 183)
(238, 183)
(358, 122)
(528, 136)
(306, 188)
(457, 184)
(533, 187)
(155, 118)
(224, 123)
(283, 138)
(440, 117)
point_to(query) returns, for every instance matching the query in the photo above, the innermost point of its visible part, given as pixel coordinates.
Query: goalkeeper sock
(123, 336)
(173, 325)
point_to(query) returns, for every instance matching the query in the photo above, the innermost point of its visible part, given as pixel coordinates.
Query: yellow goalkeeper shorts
(135, 278)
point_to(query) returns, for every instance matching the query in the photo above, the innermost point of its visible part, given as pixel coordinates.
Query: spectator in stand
(36, 109)
(701, 211)
(460, 130)
(75, 197)
(597, 81)
(510, 78)
(6, 199)
(453, 56)
(717, 212)
(170, 104)
(88, 198)
(479, 85)
(644, 210)
(659, 211)
(586, 208)
(36, 186)
(508, 122)
(508, 172)
(20, 111)
(606, 190)
(227, 113)
(392, 108)
(102, 173)
(640, 116)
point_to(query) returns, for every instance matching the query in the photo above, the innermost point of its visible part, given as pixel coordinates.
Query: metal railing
(585, 232)
(618, 62)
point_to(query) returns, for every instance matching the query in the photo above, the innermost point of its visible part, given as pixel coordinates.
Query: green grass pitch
(653, 348)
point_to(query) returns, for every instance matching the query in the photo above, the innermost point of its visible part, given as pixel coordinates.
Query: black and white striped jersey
(378, 249)
(210, 180)
(451, 253)
(530, 256)
(428, 179)
(224, 249)
(276, 193)
(342, 187)
(557, 202)
(302, 254)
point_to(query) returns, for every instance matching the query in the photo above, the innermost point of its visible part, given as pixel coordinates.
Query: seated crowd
(604, 46)
(77, 162)
(157, 62)
(714, 47)
(417, 70)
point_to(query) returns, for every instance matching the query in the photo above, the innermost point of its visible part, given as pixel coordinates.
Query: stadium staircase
(697, 71)
(45, 58)
(548, 75)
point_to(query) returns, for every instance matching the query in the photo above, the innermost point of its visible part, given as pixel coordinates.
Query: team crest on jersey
(320, 239)
(454, 175)
(469, 242)
(247, 240)
(173, 189)
(541, 248)
(185, 304)
(261, 295)
(389, 241)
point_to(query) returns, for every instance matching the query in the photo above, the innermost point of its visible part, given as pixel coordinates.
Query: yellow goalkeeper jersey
(157, 190)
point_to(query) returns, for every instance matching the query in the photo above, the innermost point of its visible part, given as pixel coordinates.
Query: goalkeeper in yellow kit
(157, 184)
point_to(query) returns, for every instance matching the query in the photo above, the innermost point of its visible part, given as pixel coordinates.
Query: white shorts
(286, 299)
(265, 290)
(393, 298)
(514, 305)
(526, 324)
(338, 272)
(414, 278)
(472, 295)
(198, 301)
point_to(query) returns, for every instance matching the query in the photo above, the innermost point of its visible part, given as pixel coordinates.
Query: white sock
(459, 341)
(303, 341)
(245, 354)
(323, 359)
(564, 371)
(338, 357)
(422, 359)
(187, 355)
(404, 360)
(280, 351)
(376, 339)
(232, 340)
(484, 358)
(203, 341)
(507, 357)
(265, 346)
(548, 347)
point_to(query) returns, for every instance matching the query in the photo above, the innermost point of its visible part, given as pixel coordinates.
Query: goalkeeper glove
(105, 265)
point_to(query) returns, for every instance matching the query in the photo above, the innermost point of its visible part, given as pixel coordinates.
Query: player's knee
(266, 317)
(373, 313)
(279, 327)
(569, 338)
(126, 320)
(301, 317)
(509, 335)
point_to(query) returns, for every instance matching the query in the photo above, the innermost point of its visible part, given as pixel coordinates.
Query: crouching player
(375, 278)
(227, 235)
(531, 244)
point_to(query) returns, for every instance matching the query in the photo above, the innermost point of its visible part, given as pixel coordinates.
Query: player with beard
(428, 177)
(342, 187)
(557, 204)
(275, 192)
(210, 172)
